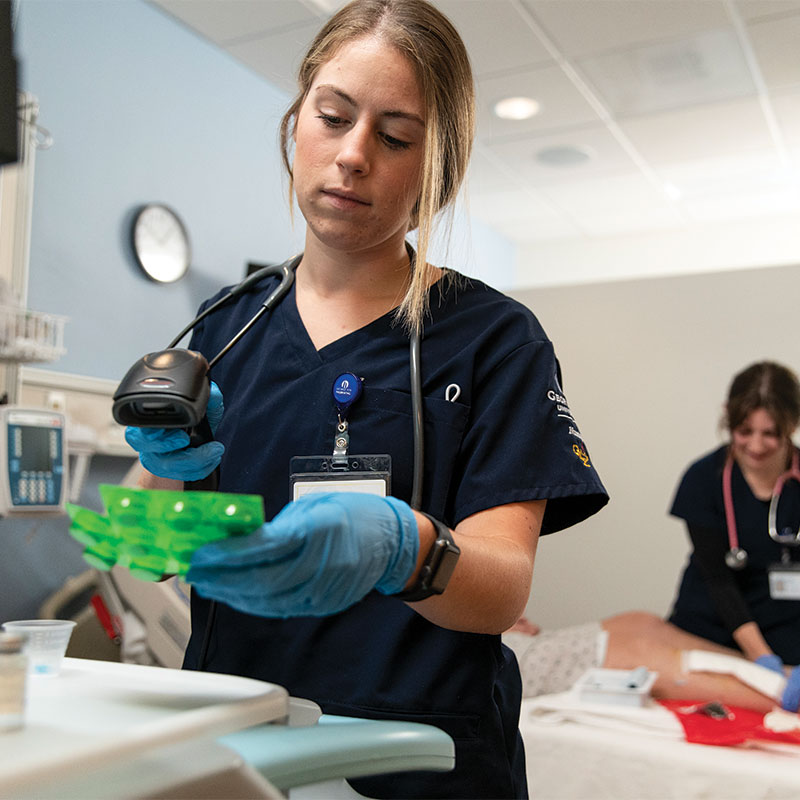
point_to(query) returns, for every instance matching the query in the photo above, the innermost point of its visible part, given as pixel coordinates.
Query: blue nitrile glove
(321, 554)
(771, 661)
(791, 694)
(166, 452)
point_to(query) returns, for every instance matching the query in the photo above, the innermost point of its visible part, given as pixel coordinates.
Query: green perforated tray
(153, 532)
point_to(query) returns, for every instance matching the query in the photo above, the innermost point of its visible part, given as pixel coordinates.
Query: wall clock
(160, 243)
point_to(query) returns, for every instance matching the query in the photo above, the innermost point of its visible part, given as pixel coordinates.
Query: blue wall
(142, 110)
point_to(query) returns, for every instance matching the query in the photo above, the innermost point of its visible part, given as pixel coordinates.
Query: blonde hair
(434, 48)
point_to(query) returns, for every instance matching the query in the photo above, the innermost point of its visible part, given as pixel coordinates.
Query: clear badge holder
(348, 473)
(784, 578)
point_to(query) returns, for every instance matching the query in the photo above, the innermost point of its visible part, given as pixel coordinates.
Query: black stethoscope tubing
(287, 271)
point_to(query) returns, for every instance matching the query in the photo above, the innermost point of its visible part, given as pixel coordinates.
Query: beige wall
(646, 367)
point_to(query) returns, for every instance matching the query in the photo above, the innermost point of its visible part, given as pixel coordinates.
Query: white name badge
(784, 581)
(370, 474)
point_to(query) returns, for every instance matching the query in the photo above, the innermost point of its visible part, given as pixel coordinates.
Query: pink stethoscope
(736, 557)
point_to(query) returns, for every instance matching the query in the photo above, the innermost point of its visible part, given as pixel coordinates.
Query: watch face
(160, 243)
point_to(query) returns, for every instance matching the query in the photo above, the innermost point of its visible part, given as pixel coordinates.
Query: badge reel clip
(341, 471)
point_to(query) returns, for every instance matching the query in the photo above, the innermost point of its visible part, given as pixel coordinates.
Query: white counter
(97, 716)
(110, 731)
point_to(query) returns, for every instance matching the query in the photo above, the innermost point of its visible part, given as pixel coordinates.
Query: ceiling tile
(626, 196)
(496, 36)
(703, 68)
(277, 57)
(486, 173)
(702, 132)
(518, 156)
(787, 112)
(562, 105)
(726, 175)
(586, 27)
(745, 204)
(720, 155)
(607, 222)
(512, 205)
(776, 43)
(524, 231)
(223, 22)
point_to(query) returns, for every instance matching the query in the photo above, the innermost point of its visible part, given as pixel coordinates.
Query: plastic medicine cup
(46, 644)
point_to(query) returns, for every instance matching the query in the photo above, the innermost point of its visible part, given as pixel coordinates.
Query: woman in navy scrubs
(725, 594)
(330, 598)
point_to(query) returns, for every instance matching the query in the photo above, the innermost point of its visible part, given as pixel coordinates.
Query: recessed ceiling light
(516, 108)
(564, 156)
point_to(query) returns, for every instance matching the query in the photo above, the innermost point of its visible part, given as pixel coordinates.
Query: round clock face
(160, 243)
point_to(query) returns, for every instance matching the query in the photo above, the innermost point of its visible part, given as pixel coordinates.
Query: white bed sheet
(576, 752)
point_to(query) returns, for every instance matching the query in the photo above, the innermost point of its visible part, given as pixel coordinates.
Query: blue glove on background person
(321, 554)
(166, 452)
(771, 661)
(791, 694)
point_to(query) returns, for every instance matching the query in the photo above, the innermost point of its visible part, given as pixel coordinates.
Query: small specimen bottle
(13, 671)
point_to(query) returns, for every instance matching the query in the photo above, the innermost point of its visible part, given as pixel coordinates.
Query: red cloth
(741, 727)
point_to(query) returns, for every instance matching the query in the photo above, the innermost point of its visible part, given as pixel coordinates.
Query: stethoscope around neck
(736, 557)
(170, 388)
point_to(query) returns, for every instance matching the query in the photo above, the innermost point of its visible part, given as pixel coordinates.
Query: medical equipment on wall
(33, 442)
(28, 336)
(33, 460)
(170, 388)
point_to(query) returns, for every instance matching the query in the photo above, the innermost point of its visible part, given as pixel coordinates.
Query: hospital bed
(641, 754)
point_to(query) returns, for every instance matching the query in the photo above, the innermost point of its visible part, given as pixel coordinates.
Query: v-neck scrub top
(508, 437)
(707, 584)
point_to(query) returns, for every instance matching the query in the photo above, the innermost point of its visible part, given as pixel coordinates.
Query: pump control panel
(33, 460)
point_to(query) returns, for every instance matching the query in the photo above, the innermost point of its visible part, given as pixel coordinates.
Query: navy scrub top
(699, 501)
(508, 437)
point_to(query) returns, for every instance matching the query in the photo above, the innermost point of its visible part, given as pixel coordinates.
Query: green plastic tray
(153, 532)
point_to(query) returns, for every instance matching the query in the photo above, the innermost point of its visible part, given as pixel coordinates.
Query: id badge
(371, 474)
(784, 581)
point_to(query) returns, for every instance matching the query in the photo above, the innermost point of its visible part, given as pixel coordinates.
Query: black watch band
(438, 567)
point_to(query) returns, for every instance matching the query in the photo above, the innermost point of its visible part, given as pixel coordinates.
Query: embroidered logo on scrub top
(582, 455)
(562, 411)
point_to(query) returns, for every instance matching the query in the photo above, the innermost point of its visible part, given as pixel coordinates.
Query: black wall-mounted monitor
(9, 151)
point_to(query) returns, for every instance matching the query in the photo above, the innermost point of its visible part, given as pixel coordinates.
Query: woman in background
(724, 498)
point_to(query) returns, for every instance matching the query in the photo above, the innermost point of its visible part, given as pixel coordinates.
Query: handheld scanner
(166, 389)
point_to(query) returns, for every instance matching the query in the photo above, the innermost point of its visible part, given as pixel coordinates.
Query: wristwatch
(438, 567)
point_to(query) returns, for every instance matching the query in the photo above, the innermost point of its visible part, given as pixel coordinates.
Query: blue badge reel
(341, 471)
